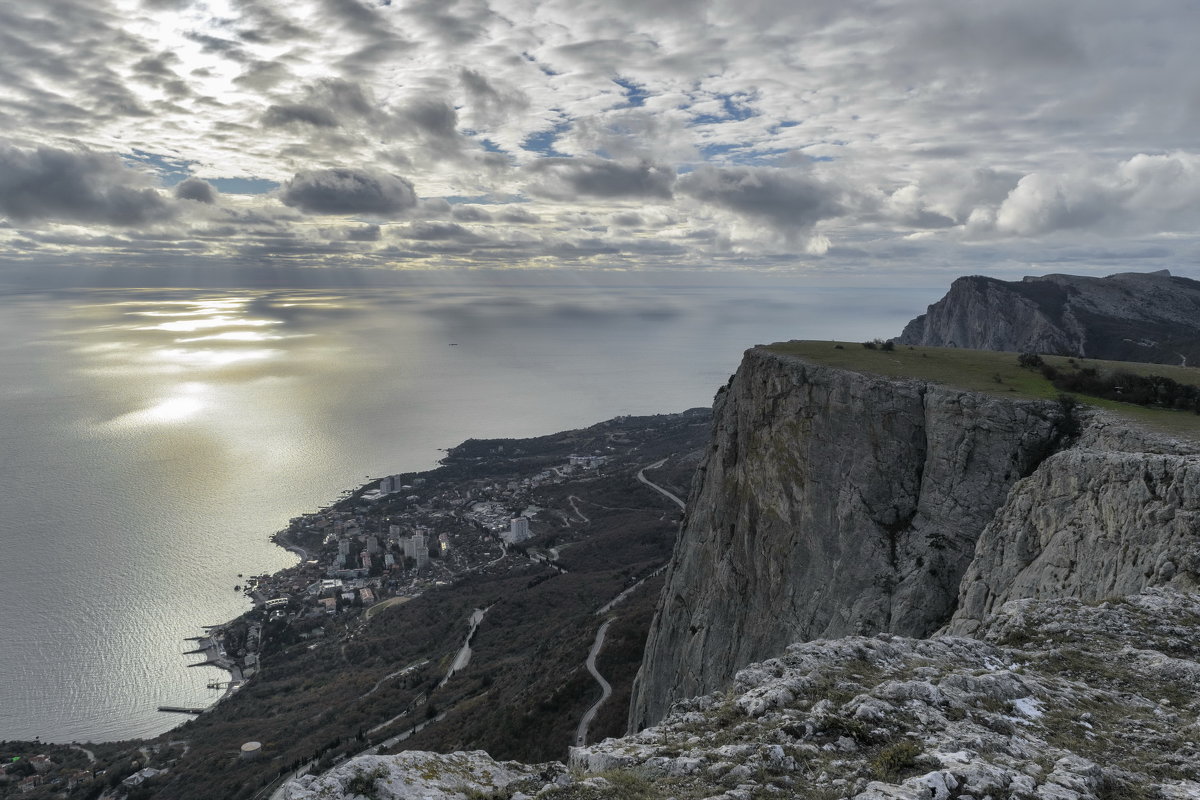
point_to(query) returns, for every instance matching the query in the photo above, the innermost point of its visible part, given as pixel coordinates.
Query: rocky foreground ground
(1054, 700)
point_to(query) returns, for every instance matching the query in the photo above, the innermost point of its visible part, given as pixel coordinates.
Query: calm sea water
(152, 440)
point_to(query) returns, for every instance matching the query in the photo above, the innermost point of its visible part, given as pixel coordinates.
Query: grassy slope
(995, 373)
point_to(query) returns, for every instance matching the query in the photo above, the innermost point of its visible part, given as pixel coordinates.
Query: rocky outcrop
(1153, 317)
(418, 775)
(831, 503)
(1090, 525)
(1057, 700)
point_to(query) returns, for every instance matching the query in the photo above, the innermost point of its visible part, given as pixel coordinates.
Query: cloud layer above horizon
(847, 138)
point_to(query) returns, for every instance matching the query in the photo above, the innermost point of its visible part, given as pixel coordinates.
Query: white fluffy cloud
(1145, 194)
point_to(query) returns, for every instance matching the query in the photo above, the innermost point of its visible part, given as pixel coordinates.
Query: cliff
(1152, 317)
(834, 503)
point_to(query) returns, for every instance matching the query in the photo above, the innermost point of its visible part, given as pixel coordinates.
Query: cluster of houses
(26, 773)
(355, 563)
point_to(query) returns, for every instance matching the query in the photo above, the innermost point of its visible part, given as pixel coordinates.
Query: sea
(151, 441)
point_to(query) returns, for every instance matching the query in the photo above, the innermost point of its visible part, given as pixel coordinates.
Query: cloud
(437, 232)
(325, 104)
(364, 233)
(279, 115)
(958, 131)
(788, 200)
(196, 189)
(1143, 194)
(76, 186)
(569, 178)
(348, 191)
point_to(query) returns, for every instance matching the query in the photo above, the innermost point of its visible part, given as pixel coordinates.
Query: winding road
(606, 688)
(464, 653)
(641, 476)
(572, 499)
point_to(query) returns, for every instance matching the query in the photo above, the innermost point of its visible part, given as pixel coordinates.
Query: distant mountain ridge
(1132, 316)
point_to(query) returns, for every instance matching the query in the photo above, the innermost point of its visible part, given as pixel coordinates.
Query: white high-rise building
(518, 530)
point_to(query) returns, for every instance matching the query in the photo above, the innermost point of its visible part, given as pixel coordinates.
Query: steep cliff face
(831, 503)
(1089, 525)
(1153, 317)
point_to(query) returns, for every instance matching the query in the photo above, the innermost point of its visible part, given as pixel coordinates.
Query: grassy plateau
(997, 373)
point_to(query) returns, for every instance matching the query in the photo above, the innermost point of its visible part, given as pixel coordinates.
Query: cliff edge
(835, 503)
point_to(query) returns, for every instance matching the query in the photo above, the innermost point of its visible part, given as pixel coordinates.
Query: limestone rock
(1126, 317)
(412, 775)
(1090, 525)
(831, 503)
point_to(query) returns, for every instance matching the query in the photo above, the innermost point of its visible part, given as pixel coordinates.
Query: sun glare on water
(174, 409)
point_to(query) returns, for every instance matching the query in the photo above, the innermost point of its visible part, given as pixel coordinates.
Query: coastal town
(495, 512)
(395, 537)
(384, 544)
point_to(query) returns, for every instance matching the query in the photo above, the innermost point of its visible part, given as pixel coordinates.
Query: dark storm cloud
(568, 178)
(196, 189)
(81, 186)
(349, 191)
(782, 198)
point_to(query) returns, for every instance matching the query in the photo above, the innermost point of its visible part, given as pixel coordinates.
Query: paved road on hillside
(605, 687)
(641, 476)
(464, 653)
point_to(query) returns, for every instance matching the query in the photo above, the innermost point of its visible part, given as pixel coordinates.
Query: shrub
(1030, 360)
(870, 345)
(887, 346)
(364, 782)
(896, 759)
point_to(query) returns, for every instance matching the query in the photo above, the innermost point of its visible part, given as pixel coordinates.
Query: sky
(842, 142)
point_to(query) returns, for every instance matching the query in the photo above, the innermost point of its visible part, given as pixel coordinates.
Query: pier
(182, 710)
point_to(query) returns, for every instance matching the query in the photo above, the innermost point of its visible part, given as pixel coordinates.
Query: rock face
(831, 503)
(1087, 524)
(1153, 317)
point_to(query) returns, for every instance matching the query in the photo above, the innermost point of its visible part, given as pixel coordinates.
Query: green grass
(995, 373)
